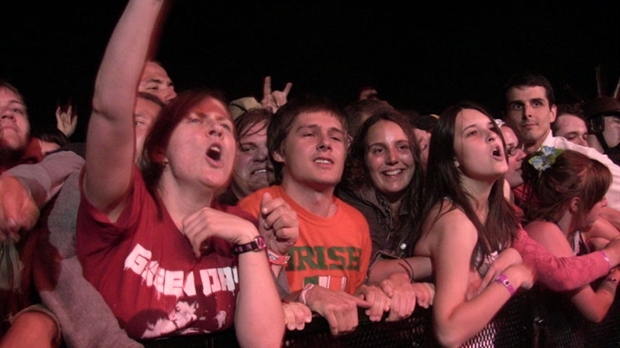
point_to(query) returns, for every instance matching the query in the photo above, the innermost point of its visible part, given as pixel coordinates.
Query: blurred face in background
(515, 157)
(14, 124)
(145, 114)
(155, 80)
(572, 128)
(253, 170)
(424, 139)
(611, 133)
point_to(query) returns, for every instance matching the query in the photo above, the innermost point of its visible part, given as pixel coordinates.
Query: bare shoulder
(446, 217)
(544, 232)
(602, 229)
(446, 224)
(539, 227)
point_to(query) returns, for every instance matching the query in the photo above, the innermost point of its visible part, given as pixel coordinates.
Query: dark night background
(417, 55)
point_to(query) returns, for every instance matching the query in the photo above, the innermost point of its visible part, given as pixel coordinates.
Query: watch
(255, 245)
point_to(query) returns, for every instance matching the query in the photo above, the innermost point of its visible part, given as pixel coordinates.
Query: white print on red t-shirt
(182, 315)
(175, 283)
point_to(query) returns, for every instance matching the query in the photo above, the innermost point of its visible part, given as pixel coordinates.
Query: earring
(456, 163)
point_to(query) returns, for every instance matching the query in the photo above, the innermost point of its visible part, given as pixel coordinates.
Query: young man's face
(530, 113)
(155, 80)
(253, 170)
(572, 128)
(14, 124)
(314, 151)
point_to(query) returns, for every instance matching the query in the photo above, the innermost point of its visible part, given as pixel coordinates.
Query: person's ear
(278, 155)
(159, 156)
(574, 205)
(456, 163)
(554, 112)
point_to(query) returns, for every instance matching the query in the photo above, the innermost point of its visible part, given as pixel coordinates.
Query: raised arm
(110, 138)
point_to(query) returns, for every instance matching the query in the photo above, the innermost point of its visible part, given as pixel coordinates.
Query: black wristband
(255, 245)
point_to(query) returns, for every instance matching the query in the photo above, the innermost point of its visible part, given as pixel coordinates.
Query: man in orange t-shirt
(307, 142)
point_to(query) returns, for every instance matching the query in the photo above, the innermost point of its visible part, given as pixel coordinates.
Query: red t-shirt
(146, 271)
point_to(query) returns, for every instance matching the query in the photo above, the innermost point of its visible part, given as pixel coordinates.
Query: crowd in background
(185, 213)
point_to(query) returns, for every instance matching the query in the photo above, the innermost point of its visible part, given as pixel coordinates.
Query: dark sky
(418, 56)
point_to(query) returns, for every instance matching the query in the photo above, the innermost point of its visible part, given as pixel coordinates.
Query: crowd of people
(186, 214)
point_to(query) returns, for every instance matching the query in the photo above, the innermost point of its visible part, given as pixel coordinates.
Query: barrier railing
(529, 320)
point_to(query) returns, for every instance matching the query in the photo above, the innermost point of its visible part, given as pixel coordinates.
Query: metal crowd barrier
(533, 319)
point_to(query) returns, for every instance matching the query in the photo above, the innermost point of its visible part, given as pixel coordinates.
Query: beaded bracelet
(502, 279)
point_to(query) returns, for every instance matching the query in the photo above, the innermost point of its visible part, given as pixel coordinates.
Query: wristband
(303, 295)
(277, 259)
(502, 279)
(255, 245)
(606, 259)
(409, 270)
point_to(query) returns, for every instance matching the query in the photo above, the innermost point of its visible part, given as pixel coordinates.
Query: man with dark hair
(530, 110)
(155, 81)
(570, 124)
(253, 170)
(327, 267)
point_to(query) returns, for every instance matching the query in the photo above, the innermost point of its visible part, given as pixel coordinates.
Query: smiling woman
(382, 167)
(383, 174)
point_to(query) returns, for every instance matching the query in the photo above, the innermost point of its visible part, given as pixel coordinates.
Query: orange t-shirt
(332, 252)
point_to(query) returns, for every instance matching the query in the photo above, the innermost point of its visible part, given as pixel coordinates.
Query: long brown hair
(443, 186)
(356, 171)
(573, 174)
